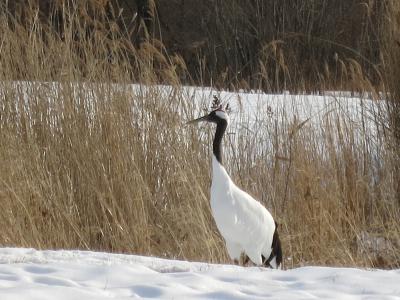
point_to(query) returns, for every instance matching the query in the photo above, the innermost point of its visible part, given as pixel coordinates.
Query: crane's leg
(245, 260)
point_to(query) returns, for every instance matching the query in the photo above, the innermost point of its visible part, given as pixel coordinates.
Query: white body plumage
(244, 223)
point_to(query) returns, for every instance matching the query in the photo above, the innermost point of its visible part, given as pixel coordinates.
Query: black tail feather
(276, 250)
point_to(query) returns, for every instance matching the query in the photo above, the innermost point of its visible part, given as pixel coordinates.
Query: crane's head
(217, 115)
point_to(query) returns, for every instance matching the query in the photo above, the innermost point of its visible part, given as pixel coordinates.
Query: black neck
(219, 133)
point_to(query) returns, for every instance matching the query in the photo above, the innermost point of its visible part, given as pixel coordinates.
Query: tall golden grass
(274, 45)
(87, 161)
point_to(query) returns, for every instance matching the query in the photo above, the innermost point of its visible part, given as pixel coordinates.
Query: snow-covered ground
(27, 274)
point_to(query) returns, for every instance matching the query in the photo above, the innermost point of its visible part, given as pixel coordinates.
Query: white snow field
(28, 274)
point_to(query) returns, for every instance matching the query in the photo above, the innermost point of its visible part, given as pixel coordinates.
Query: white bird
(245, 224)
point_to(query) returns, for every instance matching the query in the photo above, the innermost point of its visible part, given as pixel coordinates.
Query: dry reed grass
(274, 45)
(88, 162)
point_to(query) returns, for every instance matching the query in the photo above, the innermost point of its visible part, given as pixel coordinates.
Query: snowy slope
(30, 274)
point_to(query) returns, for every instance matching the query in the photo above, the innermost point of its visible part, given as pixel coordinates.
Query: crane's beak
(201, 119)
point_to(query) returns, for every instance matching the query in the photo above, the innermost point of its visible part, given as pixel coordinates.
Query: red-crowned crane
(245, 224)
